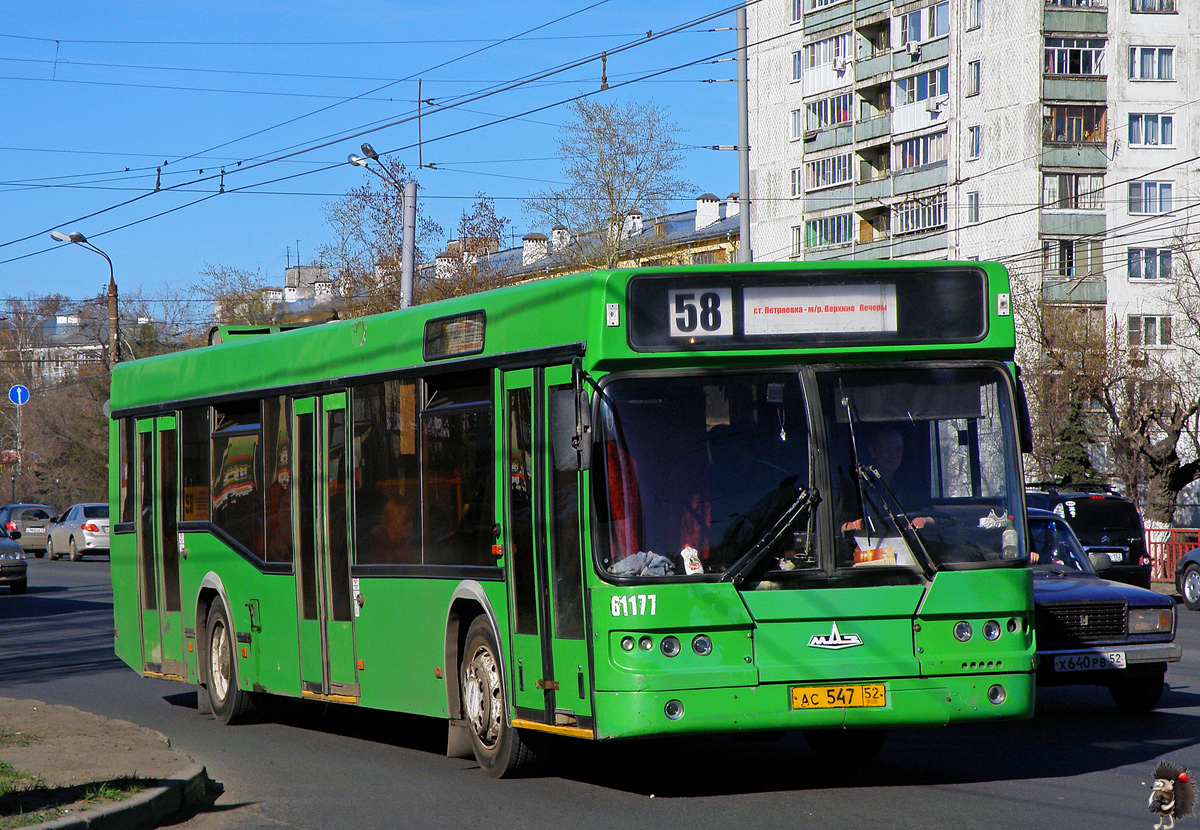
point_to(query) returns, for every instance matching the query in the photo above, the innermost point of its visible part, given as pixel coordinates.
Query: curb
(146, 809)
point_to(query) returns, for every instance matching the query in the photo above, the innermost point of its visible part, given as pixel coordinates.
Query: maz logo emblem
(835, 640)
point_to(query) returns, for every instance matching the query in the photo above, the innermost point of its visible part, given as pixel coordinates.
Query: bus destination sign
(819, 309)
(810, 308)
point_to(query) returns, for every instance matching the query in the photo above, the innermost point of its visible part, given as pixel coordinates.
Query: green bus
(626, 503)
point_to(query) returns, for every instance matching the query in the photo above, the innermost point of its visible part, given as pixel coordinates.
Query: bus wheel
(498, 746)
(229, 703)
(845, 746)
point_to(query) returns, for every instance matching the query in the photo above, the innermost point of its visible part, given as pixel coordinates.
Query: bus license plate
(839, 697)
(1090, 661)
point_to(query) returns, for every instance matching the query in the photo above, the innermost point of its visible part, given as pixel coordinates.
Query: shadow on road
(1077, 730)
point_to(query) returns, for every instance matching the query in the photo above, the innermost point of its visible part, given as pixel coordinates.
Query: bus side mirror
(570, 430)
(1024, 427)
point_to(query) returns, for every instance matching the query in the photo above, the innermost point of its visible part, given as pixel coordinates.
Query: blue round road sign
(18, 394)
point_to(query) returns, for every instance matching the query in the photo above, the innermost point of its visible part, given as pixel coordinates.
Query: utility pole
(114, 339)
(745, 253)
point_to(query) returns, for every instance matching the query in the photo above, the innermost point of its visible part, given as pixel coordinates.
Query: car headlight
(1150, 620)
(20, 554)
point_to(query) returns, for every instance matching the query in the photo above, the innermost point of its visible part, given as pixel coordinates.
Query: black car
(1103, 521)
(1093, 631)
(1187, 579)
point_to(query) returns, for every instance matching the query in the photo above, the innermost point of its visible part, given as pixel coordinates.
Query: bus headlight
(673, 710)
(627, 643)
(702, 645)
(962, 631)
(996, 694)
(1149, 620)
(991, 630)
(670, 646)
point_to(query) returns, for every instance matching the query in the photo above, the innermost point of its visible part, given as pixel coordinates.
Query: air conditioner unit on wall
(935, 104)
(913, 47)
(839, 64)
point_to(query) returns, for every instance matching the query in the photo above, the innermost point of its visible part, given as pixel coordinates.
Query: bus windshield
(924, 468)
(714, 474)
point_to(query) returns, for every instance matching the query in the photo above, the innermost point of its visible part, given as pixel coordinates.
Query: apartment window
(829, 111)
(797, 10)
(797, 65)
(974, 77)
(797, 240)
(919, 87)
(1073, 191)
(910, 27)
(1159, 6)
(919, 215)
(938, 19)
(1150, 197)
(917, 152)
(1149, 263)
(1074, 56)
(797, 125)
(974, 141)
(1072, 258)
(1152, 63)
(797, 182)
(827, 172)
(1063, 124)
(829, 230)
(972, 207)
(824, 51)
(1149, 331)
(1148, 129)
(811, 5)
(974, 14)
(1079, 4)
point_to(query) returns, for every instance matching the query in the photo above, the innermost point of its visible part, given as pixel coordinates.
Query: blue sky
(99, 95)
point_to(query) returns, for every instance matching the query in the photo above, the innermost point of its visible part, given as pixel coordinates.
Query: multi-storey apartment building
(1060, 137)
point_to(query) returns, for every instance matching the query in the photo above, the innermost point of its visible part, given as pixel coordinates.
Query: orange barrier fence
(1167, 546)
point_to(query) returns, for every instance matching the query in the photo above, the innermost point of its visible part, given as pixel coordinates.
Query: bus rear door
(549, 675)
(160, 601)
(327, 648)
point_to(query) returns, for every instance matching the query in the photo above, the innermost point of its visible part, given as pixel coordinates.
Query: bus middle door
(158, 548)
(549, 675)
(327, 647)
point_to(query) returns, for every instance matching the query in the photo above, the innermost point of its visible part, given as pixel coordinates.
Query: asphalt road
(1079, 763)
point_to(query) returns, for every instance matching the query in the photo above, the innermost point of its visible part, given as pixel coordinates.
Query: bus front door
(327, 651)
(549, 674)
(160, 600)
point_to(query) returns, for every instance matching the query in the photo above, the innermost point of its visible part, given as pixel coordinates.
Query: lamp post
(408, 193)
(114, 349)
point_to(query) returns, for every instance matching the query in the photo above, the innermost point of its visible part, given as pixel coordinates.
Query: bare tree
(472, 268)
(238, 296)
(617, 158)
(365, 256)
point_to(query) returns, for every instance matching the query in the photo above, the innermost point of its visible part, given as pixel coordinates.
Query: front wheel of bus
(230, 704)
(498, 746)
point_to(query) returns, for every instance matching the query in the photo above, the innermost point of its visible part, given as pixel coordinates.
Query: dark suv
(1105, 523)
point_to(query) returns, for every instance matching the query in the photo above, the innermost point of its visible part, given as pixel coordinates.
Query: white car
(81, 529)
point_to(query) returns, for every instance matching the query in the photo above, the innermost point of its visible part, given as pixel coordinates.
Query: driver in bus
(886, 449)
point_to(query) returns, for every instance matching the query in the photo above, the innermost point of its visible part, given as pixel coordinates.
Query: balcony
(878, 127)
(1079, 17)
(1072, 223)
(1075, 88)
(1087, 289)
(1090, 156)
(879, 188)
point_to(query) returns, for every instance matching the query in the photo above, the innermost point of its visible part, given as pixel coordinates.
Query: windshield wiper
(884, 498)
(805, 500)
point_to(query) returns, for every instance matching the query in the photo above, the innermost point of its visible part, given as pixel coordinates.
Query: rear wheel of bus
(229, 703)
(498, 746)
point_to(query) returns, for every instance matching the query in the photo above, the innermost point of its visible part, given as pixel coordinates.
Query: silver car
(82, 529)
(13, 566)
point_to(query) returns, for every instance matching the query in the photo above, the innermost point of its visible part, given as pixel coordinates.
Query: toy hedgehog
(1173, 794)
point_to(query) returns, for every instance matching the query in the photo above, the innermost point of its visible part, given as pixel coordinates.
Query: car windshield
(1054, 548)
(95, 511)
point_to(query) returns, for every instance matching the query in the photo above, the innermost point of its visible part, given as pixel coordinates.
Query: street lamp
(408, 193)
(114, 349)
